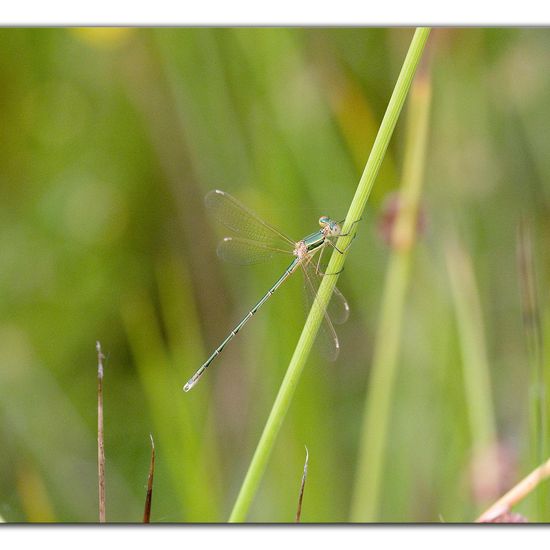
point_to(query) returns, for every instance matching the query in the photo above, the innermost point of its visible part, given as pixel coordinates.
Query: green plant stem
(538, 422)
(477, 380)
(305, 343)
(376, 418)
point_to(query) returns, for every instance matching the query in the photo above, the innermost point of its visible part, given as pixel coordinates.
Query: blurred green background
(109, 140)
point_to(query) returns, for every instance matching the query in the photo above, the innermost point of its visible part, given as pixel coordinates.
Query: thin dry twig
(100, 442)
(302, 485)
(516, 494)
(149, 496)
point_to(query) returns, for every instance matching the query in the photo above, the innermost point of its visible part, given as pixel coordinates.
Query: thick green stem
(475, 365)
(477, 380)
(376, 418)
(305, 343)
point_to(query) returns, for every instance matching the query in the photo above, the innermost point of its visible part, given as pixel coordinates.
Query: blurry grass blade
(379, 397)
(180, 317)
(302, 486)
(352, 109)
(158, 93)
(149, 495)
(174, 428)
(100, 438)
(538, 435)
(335, 265)
(472, 343)
(295, 133)
(33, 494)
(475, 362)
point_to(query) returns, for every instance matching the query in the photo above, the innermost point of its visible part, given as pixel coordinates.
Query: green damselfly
(258, 241)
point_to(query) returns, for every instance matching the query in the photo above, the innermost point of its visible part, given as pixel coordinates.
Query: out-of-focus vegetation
(109, 140)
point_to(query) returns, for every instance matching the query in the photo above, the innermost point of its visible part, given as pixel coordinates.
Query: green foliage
(109, 140)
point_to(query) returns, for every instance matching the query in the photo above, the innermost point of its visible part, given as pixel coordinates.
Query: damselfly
(257, 241)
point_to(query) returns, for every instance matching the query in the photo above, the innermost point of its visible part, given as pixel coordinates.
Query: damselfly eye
(324, 220)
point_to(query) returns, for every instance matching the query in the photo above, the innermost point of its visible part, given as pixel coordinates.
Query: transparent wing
(328, 339)
(338, 308)
(247, 252)
(245, 223)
